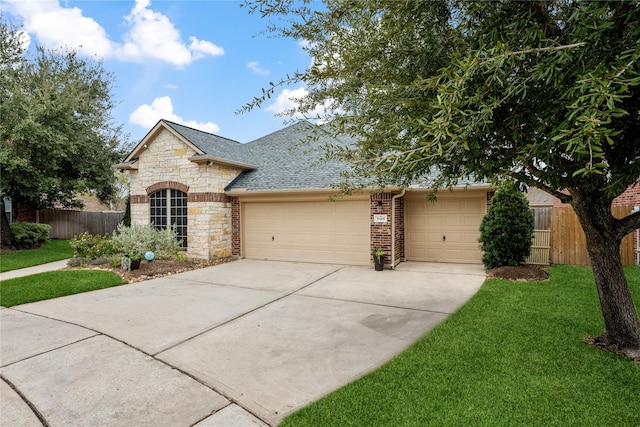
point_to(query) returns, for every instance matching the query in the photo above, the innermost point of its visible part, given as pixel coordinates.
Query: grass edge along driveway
(54, 284)
(513, 355)
(53, 250)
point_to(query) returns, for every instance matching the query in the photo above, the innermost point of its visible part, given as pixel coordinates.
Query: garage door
(444, 231)
(324, 232)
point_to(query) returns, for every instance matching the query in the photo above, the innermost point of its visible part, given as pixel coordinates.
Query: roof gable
(208, 147)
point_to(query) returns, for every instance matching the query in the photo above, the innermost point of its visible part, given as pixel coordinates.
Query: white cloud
(255, 67)
(287, 100)
(149, 35)
(162, 108)
(201, 48)
(170, 86)
(62, 27)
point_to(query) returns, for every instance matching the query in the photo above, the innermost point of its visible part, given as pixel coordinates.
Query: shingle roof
(289, 159)
(211, 144)
(285, 159)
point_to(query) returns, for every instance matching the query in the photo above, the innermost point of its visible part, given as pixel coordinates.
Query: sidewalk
(52, 266)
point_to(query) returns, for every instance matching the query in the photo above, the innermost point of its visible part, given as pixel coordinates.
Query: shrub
(127, 213)
(88, 246)
(77, 262)
(139, 239)
(506, 231)
(30, 235)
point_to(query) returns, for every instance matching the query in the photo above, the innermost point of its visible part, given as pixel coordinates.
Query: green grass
(54, 284)
(53, 250)
(513, 355)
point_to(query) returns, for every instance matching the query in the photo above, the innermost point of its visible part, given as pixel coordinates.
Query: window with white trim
(169, 207)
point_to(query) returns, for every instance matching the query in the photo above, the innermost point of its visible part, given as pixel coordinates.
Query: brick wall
(399, 237)
(631, 197)
(381, 204)
(381, 233)
(235, 227)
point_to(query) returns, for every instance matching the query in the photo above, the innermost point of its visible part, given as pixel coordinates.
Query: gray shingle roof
(286, 159)
(211, 144)
(289, 159)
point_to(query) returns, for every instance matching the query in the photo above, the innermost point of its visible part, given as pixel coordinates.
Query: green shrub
(127, 213)
(139, 239)
(77, 262)
(30, 235)
(506, 231)
(88, 246)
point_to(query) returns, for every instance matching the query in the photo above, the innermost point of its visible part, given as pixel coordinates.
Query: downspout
(393, 227)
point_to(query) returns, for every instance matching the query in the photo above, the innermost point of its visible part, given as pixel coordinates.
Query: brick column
(399, 237)
(235, 227)
(381, 233)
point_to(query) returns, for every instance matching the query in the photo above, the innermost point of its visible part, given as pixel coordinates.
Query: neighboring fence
(540, 248)
(569, 244)
(542, 217)
(67, 224)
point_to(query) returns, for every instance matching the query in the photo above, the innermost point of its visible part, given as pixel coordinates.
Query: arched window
(169, 207)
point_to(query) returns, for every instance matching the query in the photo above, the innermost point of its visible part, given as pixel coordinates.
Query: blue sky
(192, 62)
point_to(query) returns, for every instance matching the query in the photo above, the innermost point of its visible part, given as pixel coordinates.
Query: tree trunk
(620, 316)
(6, 236)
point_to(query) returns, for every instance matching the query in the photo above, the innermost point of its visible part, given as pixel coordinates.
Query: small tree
(507, 229)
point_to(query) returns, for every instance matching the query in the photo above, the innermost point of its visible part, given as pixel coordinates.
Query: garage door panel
(457, 218)
(332, 232)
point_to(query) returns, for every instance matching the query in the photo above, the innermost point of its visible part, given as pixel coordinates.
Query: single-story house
(270, 199)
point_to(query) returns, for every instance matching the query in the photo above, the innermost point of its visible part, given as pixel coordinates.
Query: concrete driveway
(242, 343)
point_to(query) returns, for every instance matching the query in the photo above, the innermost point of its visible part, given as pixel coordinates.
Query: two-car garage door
(307, 231)
(339, 232)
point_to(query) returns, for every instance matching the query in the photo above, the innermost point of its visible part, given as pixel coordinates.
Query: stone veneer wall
(165, 164)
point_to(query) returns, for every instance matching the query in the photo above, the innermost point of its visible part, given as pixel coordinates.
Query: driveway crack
(31, 406)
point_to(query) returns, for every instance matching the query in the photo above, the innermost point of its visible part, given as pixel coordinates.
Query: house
(270, 199)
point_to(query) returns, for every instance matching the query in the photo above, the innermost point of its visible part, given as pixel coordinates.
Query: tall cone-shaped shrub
(506, 231)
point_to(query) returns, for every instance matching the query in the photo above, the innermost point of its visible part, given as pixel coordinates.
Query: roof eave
(208, 159)
(130, 165)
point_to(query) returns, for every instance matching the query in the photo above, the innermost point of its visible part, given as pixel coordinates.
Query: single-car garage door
(324, 232)
(444, 231)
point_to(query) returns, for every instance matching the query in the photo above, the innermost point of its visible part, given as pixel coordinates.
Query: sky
(192, 62)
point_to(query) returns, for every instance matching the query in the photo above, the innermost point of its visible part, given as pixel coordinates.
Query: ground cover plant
(54, 284)
(513, 355)
(53, 250)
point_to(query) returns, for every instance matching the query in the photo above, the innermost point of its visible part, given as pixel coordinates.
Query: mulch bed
(161, 268)
(520, 272)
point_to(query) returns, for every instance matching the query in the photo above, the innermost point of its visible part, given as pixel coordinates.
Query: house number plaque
(379, 219)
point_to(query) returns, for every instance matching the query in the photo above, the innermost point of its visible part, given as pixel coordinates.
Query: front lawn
(53, 250)
(54, 284)
(513, 355)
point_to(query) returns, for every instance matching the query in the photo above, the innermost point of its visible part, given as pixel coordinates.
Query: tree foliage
(56, 133)
(506, 230)
(544, 93)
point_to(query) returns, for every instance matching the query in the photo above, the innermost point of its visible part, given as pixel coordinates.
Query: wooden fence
(542, 217)
(66, 224)
(540, 248)
(568, 241)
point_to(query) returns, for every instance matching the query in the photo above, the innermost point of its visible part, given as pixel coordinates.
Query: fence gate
(541, 248)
